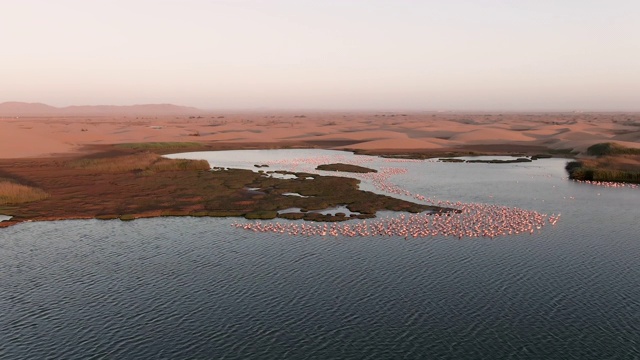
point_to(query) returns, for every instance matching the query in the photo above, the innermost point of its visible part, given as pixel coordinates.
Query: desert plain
(373, 132)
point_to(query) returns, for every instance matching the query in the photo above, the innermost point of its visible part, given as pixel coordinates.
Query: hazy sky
(324, 54)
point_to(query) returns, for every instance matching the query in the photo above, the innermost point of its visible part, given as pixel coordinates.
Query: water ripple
(196, 288)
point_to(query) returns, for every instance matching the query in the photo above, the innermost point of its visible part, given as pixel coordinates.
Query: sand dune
(392, 144)
(29, 136)
(490, 136)
(629, 137)
(582, 136)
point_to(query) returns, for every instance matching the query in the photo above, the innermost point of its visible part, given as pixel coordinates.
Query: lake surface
(171, 288)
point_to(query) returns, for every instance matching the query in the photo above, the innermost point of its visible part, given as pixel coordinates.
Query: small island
(345, 168)
(490, 161)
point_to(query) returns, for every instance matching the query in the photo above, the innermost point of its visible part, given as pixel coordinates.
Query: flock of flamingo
(473, 219)
(609, 184)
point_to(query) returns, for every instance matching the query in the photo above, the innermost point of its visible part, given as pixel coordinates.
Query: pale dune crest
(392, 144)
(544, 132)
(582, 136)
(363, 135)
(630, 137)
(490, 136)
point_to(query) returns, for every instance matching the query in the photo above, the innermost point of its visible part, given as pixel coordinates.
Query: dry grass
(12, 193)
(620, 168)
(603, 149)
(620, 162)
(164, 164)
(158, 145)
(138, 162)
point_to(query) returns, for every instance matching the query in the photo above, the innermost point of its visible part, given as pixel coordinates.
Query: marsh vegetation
(144, 184)
(608, 162)
(12, 193)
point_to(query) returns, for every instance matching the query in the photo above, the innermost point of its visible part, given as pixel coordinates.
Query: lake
(169, 288)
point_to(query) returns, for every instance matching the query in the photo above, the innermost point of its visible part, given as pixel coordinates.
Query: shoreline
(117, 187)
(129, 184)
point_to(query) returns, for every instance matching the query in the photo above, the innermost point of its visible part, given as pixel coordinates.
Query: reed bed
(12, 193)
(607, 169)
(138, 162)
(604, 149)
(610, 162)
(158, 145)
(164, 164)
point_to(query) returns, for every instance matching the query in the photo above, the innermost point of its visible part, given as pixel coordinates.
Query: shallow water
(200, 288)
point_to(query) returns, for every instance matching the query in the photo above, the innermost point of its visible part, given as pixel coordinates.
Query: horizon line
(337, 109)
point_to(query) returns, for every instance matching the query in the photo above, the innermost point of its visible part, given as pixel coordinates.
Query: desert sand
(56, 135)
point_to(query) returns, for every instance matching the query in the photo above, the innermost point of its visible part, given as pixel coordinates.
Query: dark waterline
(199, 288)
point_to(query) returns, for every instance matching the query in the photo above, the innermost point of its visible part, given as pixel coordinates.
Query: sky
(485, 55)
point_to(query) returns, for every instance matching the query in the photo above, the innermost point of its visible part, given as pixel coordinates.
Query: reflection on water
(294, 194)
(280, 176)
(328, 211)
(200, 288)
(248, 159)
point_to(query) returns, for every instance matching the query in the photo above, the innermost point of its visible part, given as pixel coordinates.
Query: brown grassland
(124, 185)
(12, 193)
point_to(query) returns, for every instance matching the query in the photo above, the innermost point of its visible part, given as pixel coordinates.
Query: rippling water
(200, 288)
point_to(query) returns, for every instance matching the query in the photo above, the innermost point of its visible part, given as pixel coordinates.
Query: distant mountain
(29, 109)
(38, 109)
